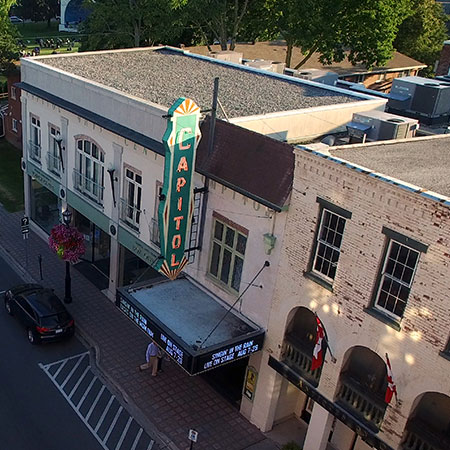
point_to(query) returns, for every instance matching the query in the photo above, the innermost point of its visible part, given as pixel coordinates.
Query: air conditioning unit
(423, 98)
(379, 125)
(227, 55)
(317, 75)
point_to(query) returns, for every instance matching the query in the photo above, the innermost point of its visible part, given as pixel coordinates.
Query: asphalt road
(33, 413)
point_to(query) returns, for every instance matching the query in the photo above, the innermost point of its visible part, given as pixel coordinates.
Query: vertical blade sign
(177, 200)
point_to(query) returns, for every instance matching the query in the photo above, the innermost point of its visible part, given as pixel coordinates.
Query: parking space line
(95, 402)
(113, 424)
(69, 376)
(124, 432)
(118, 427)
(102, 417)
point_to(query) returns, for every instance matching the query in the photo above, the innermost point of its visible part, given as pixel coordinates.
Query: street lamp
(67, 218)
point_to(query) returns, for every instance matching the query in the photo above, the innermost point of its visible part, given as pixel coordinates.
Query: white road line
(79, 381)
(150, 446)
(95, 402)
(136, 439)
(59, 370)
(69, 376)
(86, 392)
(46, 366)
(124, 432)
(102, 417)
(113, 424)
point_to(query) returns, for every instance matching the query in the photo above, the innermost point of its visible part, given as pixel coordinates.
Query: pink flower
(66, 242)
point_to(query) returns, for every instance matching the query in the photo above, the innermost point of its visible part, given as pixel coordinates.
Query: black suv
(40, 311)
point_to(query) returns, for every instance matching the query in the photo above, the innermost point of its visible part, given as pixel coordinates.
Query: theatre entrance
(228, 380)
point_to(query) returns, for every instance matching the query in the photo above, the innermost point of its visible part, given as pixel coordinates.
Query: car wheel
(8, 307)
(32, 337)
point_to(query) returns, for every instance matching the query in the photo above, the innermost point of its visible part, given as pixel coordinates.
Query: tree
(37, 10)
(8, 47)
(422, 33)
(221, 19)
(361, 30)
(127, 23)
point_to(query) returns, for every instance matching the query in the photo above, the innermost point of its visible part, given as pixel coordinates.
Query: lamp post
(67, 218)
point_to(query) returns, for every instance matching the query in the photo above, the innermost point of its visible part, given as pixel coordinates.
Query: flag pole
(333, 359)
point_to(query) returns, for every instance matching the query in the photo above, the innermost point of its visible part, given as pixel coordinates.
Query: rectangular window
(14, 125)
(227, 253)
(35, 138)
(328, 244)
(396, 279)
(53, 156)
(13, 92)
(132, 195)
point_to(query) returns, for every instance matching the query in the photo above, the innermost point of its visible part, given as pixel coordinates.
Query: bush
(291, 446)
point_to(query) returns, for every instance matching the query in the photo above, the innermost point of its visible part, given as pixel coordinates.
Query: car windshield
(55, 320)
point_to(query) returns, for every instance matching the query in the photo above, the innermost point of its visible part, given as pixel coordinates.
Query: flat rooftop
(191, 313)
(421, 161)
(162, 75)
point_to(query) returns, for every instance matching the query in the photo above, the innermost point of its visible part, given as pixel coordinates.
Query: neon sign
(177, 201)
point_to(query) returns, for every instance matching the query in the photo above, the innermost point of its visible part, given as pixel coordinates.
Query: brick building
(13, 118)
(366, 248)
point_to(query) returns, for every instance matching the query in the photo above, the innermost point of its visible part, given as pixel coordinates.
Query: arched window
(362, 386)
(428, 425)
(89, 170)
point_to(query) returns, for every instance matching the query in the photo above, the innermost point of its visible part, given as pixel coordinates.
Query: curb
(94, 355)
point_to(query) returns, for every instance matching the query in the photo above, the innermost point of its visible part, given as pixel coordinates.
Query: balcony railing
(88, 187)
(419, 436)
(53, 163)
(361, 402)
(299, 359)
(34, 151)
(130, 214)
(154, 232)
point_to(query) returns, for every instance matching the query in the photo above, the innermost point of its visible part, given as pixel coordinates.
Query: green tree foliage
(422, 33)
(38, 10)
(8, 47)
(220, 19)
(127, 23)
(362, 30)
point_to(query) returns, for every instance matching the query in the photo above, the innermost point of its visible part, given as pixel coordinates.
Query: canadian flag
(391, 388)
(318, 352)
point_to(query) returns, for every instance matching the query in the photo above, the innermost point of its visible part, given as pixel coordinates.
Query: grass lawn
(11, 177)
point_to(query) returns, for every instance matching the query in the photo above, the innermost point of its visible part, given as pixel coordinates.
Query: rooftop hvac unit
(227, 55)
(317, 75)
(264, 65)
(422, 98)
(378, 125)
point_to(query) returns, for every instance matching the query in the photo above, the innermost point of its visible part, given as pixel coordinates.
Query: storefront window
(45, 206)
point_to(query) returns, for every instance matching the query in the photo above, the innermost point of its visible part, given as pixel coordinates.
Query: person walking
(151, 356)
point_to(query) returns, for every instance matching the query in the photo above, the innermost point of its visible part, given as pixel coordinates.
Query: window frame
(35, 138)
(410, 244)
(136, 206)
(84, 183)
(238, 230)
(53, 150)
(316, 275)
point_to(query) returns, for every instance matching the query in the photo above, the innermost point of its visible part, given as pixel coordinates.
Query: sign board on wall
(177, 198)
(250, 382)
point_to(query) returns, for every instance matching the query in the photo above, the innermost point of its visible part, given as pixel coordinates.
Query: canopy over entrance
(189, 324)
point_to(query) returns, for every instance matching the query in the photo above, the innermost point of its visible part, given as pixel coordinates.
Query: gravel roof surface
(422, 162)
(162, 76)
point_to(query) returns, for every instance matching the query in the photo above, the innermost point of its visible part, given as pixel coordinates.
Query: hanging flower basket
(66, 242)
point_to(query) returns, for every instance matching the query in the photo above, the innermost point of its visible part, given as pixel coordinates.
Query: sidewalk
(168, 405)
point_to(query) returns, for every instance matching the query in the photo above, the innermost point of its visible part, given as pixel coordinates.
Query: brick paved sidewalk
(171, 403)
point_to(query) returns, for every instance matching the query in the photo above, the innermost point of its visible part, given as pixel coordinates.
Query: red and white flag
(317, 358)
(391, 388)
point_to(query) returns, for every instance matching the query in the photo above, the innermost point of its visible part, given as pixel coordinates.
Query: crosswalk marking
(74, 379)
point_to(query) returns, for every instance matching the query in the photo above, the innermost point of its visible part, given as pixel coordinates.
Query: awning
(189, 324)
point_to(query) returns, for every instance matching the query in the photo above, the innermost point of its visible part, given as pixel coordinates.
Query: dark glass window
(227, 254)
